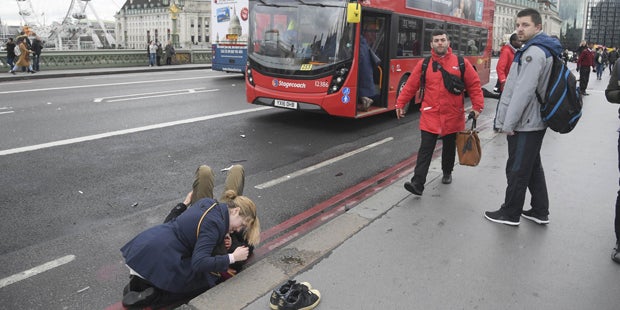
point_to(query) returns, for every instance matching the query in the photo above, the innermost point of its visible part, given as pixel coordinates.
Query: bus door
(375, 33)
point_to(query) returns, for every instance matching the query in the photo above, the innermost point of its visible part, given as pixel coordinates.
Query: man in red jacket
(584, 63)
(506, 55)
(442, 112)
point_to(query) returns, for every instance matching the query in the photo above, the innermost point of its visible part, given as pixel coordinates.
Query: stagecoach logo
(276, 83)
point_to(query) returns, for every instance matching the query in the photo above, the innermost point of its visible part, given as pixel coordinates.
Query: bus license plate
(285, 104)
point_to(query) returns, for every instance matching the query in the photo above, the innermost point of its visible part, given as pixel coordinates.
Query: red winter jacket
(442, 112)
(506, 55)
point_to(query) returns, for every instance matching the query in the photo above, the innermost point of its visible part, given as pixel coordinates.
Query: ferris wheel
(28, 14)
(73, 25)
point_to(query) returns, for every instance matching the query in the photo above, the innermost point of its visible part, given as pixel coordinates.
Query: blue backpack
(561, 106)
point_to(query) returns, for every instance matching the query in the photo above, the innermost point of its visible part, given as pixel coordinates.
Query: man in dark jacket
(10, 53)
(37, 46)
(612, 57)
(612, 93)
(585, 62)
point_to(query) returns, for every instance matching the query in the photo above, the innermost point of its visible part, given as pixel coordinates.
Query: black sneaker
(300, 297)
(278, 296)
(447, 178)
(615, 254)
(534, 217)
(499, 217)
(142, 298)
(415, 189)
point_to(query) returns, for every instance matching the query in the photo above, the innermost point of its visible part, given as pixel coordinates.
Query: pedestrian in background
(585, 62)
(518, 116)
(612, 57)
(37, 47)
(152, 51)
(582, 46)
(506, 56)
(159, 53)
(600, 60)
(613, 95)
(23, 59)
(442, 112)
(10, 53)
(169, 52)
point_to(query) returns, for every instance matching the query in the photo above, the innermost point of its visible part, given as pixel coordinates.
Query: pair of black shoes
(294, 296)
(418, 189)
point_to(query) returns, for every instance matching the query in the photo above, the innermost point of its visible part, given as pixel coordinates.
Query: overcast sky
(55, 10)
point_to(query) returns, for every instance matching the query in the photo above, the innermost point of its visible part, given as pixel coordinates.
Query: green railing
(58, 60)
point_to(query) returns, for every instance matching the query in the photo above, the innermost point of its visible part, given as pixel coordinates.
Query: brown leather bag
(468, 146)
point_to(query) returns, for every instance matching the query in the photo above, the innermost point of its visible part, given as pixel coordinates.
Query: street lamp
(174, 14)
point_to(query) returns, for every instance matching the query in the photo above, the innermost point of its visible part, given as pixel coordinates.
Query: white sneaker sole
(502, 222)
(535, 220)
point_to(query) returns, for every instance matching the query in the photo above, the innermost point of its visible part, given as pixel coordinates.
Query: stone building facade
(183, 22)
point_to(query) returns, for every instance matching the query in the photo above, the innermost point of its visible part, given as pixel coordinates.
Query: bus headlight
(248, 74)
(337, 80)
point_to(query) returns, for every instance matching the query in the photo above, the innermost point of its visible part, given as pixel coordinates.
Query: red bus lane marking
(304, 222)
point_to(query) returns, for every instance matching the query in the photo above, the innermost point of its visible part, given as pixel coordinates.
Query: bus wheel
(401, 85)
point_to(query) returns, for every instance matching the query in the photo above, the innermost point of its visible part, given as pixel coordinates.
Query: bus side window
(409, 34)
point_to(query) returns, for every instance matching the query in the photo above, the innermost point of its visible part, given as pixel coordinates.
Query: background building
(572, 13)
(603, 22)
(140, 21)
(506, 16)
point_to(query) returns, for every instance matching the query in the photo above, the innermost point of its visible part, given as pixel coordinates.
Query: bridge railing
(59, 60)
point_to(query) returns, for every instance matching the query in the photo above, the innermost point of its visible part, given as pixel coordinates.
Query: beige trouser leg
(203, 183)
(234, 180)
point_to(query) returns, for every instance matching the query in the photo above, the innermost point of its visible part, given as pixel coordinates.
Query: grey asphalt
(400, 251)
(395, 250)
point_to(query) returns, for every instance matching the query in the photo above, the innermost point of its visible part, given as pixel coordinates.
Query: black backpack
(445, 74)
(560, 108)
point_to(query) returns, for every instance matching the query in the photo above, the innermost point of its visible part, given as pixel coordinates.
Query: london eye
(74, 31)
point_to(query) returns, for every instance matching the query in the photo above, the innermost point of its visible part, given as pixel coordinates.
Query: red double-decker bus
(305, 54)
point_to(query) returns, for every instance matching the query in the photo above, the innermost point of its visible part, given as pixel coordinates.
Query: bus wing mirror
(354, 13)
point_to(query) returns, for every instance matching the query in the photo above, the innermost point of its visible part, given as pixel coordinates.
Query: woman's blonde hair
(247, 210)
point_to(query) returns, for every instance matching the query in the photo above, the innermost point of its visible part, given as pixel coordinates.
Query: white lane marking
(117, 75)
(6, 110)
(189, 91)
(175, 91)
(108, 84)
(36, 270)
(320, 165)
(125, 131)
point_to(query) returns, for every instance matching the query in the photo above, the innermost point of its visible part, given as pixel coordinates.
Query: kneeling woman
(179, 260)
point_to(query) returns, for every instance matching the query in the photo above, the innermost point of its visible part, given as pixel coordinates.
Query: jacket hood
(437, 57)
(550, 45)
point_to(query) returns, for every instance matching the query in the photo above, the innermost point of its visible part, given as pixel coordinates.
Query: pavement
(395, 250)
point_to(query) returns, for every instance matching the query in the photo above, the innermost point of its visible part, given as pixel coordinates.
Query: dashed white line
(36, 270)
(320, 165)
